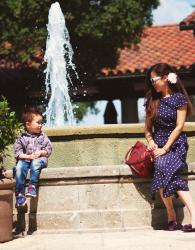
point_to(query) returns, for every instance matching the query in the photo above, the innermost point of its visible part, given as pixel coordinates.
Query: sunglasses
(154, 79)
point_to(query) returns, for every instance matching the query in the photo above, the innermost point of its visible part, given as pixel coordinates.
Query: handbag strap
(128, 153)
(135, 162)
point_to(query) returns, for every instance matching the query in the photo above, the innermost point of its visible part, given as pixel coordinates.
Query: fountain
(58, 56)
(87, 186)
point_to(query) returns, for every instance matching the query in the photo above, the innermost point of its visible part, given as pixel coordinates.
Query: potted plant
(9, 128)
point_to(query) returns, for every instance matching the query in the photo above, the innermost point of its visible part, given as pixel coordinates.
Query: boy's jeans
(21, 171)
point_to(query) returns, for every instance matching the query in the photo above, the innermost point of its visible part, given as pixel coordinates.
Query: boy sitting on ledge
(32, 149)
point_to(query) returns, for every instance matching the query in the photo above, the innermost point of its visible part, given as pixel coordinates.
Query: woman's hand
(158, 152)
(152, 145)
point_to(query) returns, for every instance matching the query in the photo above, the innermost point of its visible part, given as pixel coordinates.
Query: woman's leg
(186, 198)
(168, 202)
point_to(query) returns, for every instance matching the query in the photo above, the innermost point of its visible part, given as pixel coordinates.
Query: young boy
(32, 149)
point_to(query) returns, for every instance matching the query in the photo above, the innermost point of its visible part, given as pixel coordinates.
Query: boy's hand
(40, 153)
(33, 156)
(37, 154)
(43, 153)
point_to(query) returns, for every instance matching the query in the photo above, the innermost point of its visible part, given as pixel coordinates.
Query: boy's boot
(20, 200)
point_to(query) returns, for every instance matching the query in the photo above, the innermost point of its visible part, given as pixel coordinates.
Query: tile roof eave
(183, 70)
(187, 26)
(123, 76)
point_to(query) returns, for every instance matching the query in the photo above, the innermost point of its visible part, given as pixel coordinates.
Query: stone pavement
(138, 239)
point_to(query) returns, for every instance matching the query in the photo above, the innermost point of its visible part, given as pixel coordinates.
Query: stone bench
(91, 198)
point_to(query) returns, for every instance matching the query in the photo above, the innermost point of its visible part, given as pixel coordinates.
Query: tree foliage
(9, 127)
(82, 108)
(97, 28)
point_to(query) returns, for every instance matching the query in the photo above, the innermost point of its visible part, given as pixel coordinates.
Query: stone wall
(98, 145)
(96, 198)
(87, 186)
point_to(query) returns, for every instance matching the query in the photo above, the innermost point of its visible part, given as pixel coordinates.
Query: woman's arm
(181, 117)
(148, 129)
(148, 134)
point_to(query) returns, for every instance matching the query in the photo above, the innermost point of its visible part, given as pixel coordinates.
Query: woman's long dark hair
(153, 98)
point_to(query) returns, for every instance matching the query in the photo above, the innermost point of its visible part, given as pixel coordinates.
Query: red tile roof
(158, 44)
(11, 63)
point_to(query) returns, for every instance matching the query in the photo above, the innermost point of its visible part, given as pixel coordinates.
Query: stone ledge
(106, 129)
(96, 129)
(94, 171)
(97, 171)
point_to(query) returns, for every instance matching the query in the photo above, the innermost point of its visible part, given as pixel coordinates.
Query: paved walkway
(146, 239)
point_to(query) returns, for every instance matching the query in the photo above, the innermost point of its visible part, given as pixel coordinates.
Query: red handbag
(140, 159)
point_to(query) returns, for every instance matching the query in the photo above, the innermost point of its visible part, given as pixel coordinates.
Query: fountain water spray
(58, 55)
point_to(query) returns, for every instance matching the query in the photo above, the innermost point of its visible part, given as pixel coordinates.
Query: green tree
(82, 108)
(97, 28)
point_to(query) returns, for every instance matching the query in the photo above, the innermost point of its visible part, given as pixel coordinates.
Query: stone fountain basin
(87, 186)
(97, 145)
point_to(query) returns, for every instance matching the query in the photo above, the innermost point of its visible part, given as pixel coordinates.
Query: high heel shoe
(188, 228)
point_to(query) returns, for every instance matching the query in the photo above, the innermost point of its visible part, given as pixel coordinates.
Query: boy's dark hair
(27, 114)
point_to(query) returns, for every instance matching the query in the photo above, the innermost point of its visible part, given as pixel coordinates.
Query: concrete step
(136, 239)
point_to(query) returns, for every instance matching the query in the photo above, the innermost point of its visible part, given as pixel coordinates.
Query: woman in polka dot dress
(167, 105)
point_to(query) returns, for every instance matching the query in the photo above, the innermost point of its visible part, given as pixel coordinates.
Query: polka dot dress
(168, 166)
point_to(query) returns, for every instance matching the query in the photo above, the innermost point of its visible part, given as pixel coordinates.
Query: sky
(169, 12)
(172, 11)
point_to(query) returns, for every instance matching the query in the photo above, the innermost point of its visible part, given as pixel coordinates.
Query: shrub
(9, 128)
